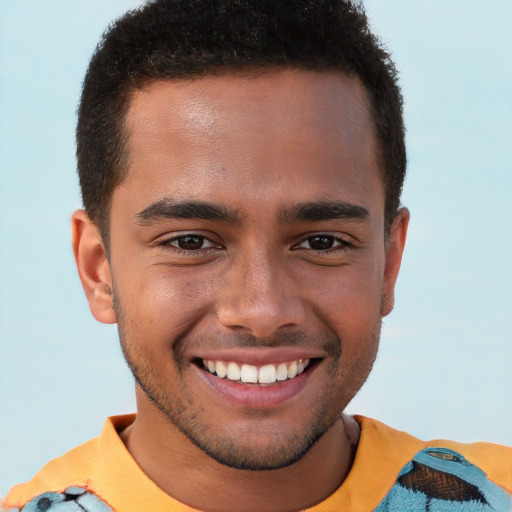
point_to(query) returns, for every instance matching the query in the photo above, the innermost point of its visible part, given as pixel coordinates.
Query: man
(241, 168)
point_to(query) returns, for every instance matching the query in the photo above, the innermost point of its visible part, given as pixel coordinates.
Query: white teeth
(220, 369)
(282, 372)
(292, 370)
(233, 371)
(267, 374)
(303, 364)
(249, 373)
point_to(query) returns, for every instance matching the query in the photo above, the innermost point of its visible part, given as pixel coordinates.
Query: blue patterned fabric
(73, 499)
(442, 480)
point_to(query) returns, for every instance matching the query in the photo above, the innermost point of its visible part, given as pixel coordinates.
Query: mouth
(265, 375)
(261, 378)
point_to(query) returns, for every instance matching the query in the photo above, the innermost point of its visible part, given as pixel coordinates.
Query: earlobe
(93, 267)
(394, 250)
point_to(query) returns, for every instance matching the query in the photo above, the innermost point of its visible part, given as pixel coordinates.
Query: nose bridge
(259, 295)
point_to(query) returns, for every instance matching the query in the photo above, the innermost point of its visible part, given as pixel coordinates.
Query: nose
(260, 296)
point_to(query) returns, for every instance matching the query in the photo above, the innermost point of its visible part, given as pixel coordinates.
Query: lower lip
(257, 396)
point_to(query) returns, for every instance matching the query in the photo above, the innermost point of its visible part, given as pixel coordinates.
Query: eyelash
(340, 244)
(169, 242)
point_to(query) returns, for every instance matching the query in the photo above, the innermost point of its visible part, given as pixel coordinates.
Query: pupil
(321, 242)
(190, 242)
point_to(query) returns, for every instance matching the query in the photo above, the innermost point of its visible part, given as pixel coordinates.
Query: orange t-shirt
(102, 473)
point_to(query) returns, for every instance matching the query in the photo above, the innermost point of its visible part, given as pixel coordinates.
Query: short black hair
(185, 39)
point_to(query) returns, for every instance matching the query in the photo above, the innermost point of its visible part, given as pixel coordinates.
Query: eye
(190, 242)
(323, 242)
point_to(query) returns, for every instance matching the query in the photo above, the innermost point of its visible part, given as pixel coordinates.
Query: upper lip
(262, 355)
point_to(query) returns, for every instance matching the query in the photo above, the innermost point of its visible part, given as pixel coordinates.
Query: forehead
(330, 97)
(230, 134)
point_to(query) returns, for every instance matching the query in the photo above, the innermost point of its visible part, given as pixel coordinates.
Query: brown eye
(190, 242)
(321, 242)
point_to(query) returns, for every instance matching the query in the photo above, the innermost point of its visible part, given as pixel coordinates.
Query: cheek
(348, 298)
(164, 304)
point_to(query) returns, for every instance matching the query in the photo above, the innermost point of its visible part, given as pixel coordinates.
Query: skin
(264, 281)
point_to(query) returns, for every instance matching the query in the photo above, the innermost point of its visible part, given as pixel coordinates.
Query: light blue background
(445, 366)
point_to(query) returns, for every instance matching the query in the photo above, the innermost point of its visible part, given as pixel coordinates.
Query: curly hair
(185, 39)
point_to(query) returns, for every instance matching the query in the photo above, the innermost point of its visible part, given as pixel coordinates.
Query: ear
(394, 250)
(93, 267)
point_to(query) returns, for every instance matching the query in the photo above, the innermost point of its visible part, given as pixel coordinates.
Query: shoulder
(495, 460)
(71, 477)
(61, 481)
(440, 471)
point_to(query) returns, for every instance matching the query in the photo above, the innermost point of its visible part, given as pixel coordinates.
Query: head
(176, 40)
(241, 174)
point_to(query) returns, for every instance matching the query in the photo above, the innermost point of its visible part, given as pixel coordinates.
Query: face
(248, 261)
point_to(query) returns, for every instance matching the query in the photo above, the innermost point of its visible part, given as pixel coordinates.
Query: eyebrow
(168, 208)
(324, 210)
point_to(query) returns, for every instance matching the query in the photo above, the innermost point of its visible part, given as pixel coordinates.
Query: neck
(187, 474)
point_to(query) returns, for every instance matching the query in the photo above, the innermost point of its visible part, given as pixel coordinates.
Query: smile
(249, 374)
